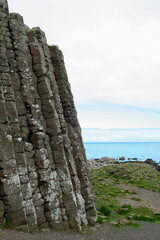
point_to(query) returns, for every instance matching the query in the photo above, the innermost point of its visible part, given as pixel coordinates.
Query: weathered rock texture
(43, 174)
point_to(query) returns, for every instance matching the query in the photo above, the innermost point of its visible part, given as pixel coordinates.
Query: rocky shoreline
(105, 161)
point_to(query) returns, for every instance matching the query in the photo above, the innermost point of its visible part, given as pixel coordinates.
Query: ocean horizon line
(157, 128)
(120, 142)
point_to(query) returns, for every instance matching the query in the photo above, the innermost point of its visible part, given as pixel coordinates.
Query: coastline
(138, 150)
(105, 161)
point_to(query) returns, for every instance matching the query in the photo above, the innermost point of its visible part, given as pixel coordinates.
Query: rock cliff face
(44, 179)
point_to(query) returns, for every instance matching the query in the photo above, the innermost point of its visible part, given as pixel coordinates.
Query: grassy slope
(106, 183)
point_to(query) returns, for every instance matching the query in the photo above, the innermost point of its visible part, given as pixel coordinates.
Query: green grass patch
(131, 224)
(136, 199)
(140, 175)
(143, 214)
(105, 183)
(124, 209)
(104, 210)
(99, 219)
(8, 225)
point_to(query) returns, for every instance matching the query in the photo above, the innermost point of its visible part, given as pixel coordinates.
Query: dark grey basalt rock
(153, 164)
(44, 177)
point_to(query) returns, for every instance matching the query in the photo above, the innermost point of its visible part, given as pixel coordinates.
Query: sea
(139, 150)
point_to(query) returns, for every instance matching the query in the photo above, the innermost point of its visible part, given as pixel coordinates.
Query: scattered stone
(123, 221)
(157, 213)
(133, 221)
(135, 159)
(123, 210)
(149, 161)
(102, 162)
(114, 223)
(104, 217)
(45, 230)
(124, 176)
(133, 214)
(93, 229)
(122, 191)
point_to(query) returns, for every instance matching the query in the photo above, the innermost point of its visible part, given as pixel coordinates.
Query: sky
(111, 51)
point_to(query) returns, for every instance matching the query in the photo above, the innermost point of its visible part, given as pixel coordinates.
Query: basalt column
(73, 128)
(44, 180)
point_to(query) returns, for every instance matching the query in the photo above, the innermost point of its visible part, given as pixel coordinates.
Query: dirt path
(147, 231)
(148, 198)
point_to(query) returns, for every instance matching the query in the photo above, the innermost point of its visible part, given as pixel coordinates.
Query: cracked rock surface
(44, 179)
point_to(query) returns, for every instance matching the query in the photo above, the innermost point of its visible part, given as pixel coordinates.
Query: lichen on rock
(44, 180)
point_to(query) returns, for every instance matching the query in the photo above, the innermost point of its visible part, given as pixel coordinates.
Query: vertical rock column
(45, 191)
(23, 84)
(43, 174)
(74, 131)
(56, 126)
(10, 184)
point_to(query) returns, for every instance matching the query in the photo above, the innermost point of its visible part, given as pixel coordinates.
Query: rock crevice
(44, 180)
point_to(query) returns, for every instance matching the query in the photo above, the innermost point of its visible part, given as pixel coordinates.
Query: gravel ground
(148, 198)
(147, 231)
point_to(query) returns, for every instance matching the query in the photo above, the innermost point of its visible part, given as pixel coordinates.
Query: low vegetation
(108, 185)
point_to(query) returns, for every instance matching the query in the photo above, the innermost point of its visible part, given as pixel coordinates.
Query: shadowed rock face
(43, 172)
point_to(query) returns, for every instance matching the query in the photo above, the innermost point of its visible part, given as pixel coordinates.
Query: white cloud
(111, 49)
(123, 68)
(106, 115)
(121, 135)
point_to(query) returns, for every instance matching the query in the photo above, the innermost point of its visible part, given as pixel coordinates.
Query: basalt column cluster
(44, 179)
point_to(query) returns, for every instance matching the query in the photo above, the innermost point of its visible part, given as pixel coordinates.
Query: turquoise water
(141, 150)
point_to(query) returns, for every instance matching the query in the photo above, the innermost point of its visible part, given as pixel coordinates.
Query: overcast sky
(112, 55)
